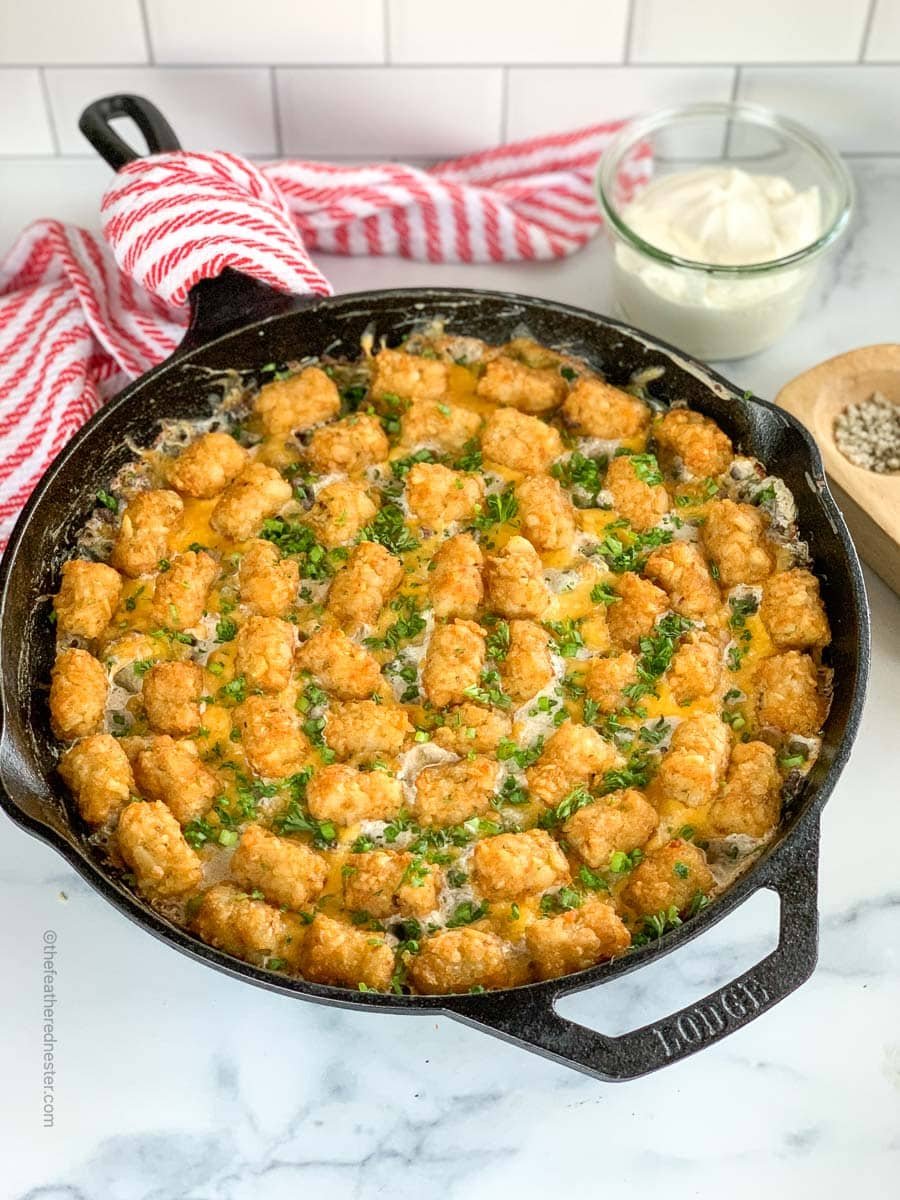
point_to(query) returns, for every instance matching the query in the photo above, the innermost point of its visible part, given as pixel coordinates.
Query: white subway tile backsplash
(215, 108)
(735, 31)
(551, 99)
(508, 31)
(400, 111)
(21, 94)
(884, 35)
(269, 31)
(71, 31)
(854, 108)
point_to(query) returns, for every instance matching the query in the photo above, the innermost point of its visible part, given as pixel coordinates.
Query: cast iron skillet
(237, 323)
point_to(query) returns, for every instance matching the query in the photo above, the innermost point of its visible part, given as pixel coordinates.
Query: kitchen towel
(79, 319)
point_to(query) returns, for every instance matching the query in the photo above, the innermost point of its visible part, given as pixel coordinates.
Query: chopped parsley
(497, 508)
(657, 652)
(497, 643)
(470, 459)
(108, 501)
(226, 629)
(621, 556)
(400, 467)
(389, 530)
(465, 913)
(409, 624)
(602, 593)
(582, 475)
(488, 690)
(646, 468)
(567, 639)
(296, 540)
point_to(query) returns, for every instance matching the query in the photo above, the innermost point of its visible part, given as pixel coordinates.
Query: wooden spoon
(869, 501)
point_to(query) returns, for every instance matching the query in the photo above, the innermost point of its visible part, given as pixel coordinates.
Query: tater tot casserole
(447, 669)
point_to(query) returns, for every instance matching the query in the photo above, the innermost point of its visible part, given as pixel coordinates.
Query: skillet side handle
(94, 123)
(533, 1022)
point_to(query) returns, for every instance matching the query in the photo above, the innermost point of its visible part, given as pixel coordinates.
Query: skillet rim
(760, 873)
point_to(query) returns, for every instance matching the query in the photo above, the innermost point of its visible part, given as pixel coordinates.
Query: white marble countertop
(176, 1083)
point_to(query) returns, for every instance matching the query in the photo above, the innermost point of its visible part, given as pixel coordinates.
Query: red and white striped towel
(78, 319)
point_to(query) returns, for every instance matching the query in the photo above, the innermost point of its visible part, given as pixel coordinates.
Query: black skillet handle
(530, 1017)
(219, 305)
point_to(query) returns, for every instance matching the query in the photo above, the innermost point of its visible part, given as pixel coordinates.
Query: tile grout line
(145, 22)
(504, 105)
(386, 27)
(596, 65)
(629, 31)
(51, 118)
(867, 31)
(276, 111)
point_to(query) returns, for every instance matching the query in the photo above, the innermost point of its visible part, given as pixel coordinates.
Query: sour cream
(720, 217)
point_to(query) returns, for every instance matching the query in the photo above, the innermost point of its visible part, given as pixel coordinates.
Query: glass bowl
(712, 311)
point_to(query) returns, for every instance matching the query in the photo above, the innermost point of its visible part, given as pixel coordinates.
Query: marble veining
(175, 1083)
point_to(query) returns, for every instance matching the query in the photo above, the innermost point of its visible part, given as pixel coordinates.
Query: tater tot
(669, 877)
(453, 662)
(171, 694)
(451, 793)
(682, 571)
(528, 665)
(510, 865)
(272, 737)
(387, 883)
(546, 515)
(456, 960)
(258, 493)
(641, 503)
(633, 616)
(605, 680)
(735, 539)
(298, 403)
(364, 730)
(572, 756)
(409, 376)
(522, 443)
(363, 586)
(529, 389)
(264, 652)
(696, 667)
(172, 772)
(88, 595)
(350, 445)
(207, 466)
(268, 582)
(336, 953)
(594, 408)
(621, 821)
(152, 844)
(78, 691)
(179, 594)
(786, 693)
(472, 727)
(576, 940)
(346, 796)
(750, 801)
(247, 928)
(341, 510)
(514, 581)
(287, 872)
(454, 583)
(792, 611)
(438, 496)
(691, 770)
(340, 665)
(97, 772)
(694, 441)
(433, 423)
(147, 525)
